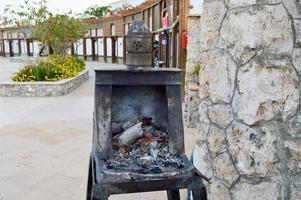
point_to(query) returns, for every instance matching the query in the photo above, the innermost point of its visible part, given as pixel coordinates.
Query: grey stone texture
(217, 76)
(263, 93)
(249, 97)
(42, 89)
(261, 191)
(190, 110)
(252, 148)
(216, 141)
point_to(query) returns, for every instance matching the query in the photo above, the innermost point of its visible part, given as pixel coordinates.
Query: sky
(62, 5)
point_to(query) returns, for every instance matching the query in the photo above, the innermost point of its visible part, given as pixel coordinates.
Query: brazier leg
(90, 181)
(199, 194)
(100, 193)
(173, 194)
(100, 198)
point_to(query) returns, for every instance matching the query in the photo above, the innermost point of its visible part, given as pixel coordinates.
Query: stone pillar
(249, 88)
(191, 115)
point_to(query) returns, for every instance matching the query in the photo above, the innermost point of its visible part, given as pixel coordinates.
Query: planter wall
(43, 89)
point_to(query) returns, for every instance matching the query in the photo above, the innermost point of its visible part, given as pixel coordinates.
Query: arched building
(105, 40)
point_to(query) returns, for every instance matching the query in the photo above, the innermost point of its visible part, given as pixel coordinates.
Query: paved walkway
(7, 68)
(45, 145)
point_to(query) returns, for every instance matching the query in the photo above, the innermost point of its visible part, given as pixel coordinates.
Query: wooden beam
(105, 49)
(124, 50)
(19, 47)
(84, 49)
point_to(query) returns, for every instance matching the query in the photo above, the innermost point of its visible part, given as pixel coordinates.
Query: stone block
(293, 126)
(204, 122)
(294, 154)
(201, 158)
(216, 141)
(214, 12)
(293, 7)
(252, 149)
(221, 115)
(261, 191)
(225, 169)
(295, 188)
(217, 79)
(265, 93)
(240, 3)
(217, 190)
(259, 28)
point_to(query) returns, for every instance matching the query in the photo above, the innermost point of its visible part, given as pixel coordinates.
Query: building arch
(112, 29)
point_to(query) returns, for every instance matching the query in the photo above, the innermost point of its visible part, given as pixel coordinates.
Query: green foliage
(27, 14)
(60, 32)
(34, 19)
(98, 11)
(53, 69)
(196, 69)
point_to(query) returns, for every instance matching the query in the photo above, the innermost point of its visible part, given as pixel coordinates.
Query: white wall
(80, 50)
(36, 48)
(31, 47)
(100, 47)
(93, 33)
(197, 7)
(99, 32)
(15, 46)
(23, 47)
(88, 47)
(6, 46)
(120, 47)
(109, 47)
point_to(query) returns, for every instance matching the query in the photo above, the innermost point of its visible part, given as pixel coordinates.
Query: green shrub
(53, 69)
(196, 69)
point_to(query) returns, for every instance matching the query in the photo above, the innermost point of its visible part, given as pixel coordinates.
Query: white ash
(143, 148)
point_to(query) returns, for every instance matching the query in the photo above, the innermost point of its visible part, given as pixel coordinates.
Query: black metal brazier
(138, 137)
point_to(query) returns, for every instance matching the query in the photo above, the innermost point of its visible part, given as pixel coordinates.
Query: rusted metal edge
(138, 84)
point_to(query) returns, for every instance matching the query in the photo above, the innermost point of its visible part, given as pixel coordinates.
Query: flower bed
(43, 88)
(53, 69)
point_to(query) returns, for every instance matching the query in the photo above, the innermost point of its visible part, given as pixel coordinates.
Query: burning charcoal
(116, 128)
(130, 123)
(129, 136)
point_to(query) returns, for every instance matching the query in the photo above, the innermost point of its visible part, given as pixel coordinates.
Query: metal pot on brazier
(139, 46)
(138, 136)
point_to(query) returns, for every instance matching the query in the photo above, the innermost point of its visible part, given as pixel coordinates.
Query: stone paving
(45, 145)
(7, 68)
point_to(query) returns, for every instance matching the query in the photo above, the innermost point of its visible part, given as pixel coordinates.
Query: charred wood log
(129, 136)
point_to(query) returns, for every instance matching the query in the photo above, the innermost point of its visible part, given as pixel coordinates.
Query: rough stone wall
(192, 100)
(249, 88)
